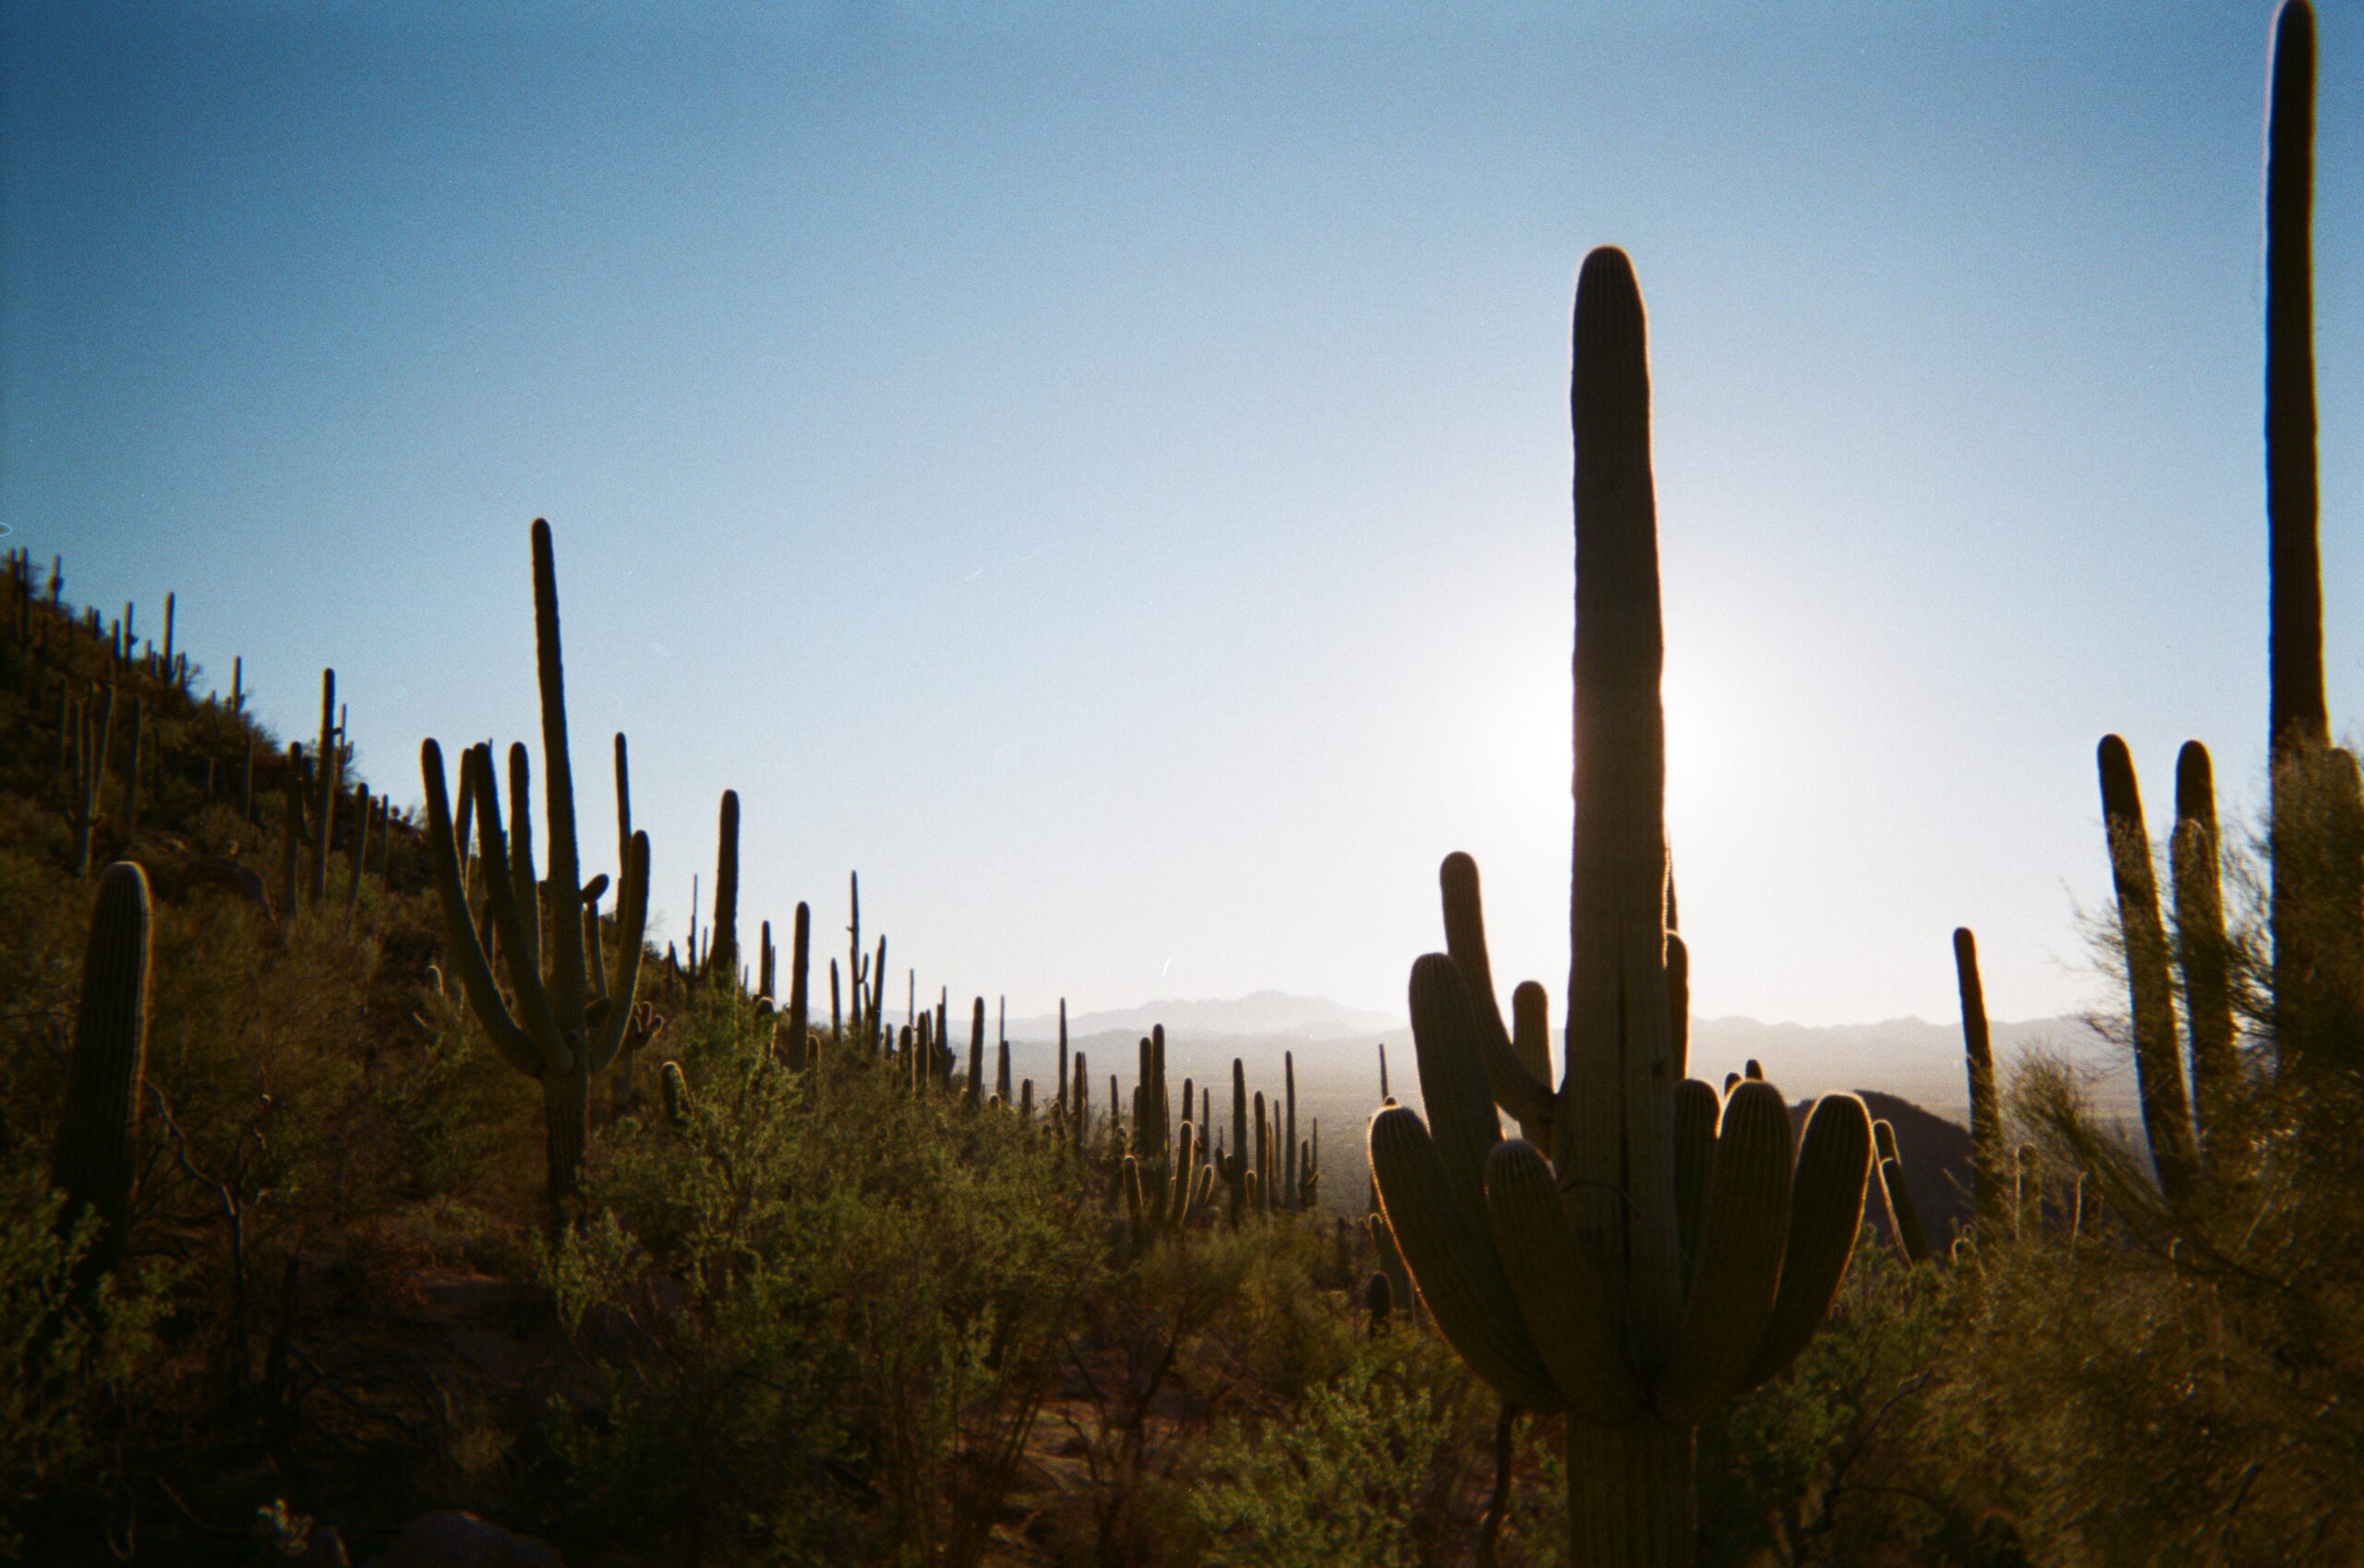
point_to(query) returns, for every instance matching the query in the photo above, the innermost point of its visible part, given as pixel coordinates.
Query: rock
(462, 1541)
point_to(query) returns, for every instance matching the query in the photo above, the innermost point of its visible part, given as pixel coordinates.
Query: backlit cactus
(1567, 1282)
(1985, 1104)
(722, 952)
(553, 1032)
(1903, 1214)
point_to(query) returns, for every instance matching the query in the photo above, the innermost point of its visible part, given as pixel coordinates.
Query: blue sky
(1102, 472)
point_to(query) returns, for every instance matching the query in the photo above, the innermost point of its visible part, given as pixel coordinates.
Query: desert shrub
(2185, 1383)
(72, 1388)
(818, 1317)
(1345, 1479)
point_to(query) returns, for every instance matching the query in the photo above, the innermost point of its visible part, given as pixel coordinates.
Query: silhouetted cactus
(2205, 955)
(1903, 1214)
(1563, 1282)
(326, 757)
(677, 1104)
(92, 1161)
(2158, 1069)
(722, 953)
(554, 1033)
(1987, 1161)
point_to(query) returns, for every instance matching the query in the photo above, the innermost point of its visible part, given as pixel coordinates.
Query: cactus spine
(1563, 1282)
(553, 1034)
(91, 1162)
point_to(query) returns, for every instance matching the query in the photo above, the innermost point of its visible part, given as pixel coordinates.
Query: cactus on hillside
(555, 1032)
(1903, 1214)
(91, 723)
(326, 757)
(1569, 1281)
(722, 951)
(799, 956)
(977, 1055)
(2158, 1067)
(1986, 1105)
(92, 1159)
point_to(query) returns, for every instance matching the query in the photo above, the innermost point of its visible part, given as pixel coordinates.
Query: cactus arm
(594, 947)
(1446, 1037)
(1531, 1038)
(1525, 1095)
(1742, 1241)
(2202, 951)
(1903, 1214)
(1454, 1259)
(2166, 1115)
(1826, 1213)
(1697, 1106)
(1562, 1295)
(632, 929)
(1678, 991)
(464, 949)
(533, 1001)
(623, 811)
(525, 882)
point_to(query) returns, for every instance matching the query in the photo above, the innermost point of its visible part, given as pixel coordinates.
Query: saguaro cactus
(1987, 1163)
(722, 949)
(555, 1032)
(1573, 1282)
(91, 1161)
(327, 758)
(2317, 804)
(800, 956)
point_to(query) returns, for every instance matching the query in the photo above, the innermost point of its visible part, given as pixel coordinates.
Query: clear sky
(1102, 471)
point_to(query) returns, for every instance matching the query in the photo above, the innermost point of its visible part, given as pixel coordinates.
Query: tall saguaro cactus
(555, 1033)
(722, 950)
(1585, 1282)
(1986, 1163)
(92, 1159)
(2317, 802)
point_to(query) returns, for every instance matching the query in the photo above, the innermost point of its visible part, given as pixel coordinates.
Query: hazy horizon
(1105, 478)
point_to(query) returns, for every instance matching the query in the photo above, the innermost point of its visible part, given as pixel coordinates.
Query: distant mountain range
(1912, 1057)
(1335, 1049)
(1268, 1014)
